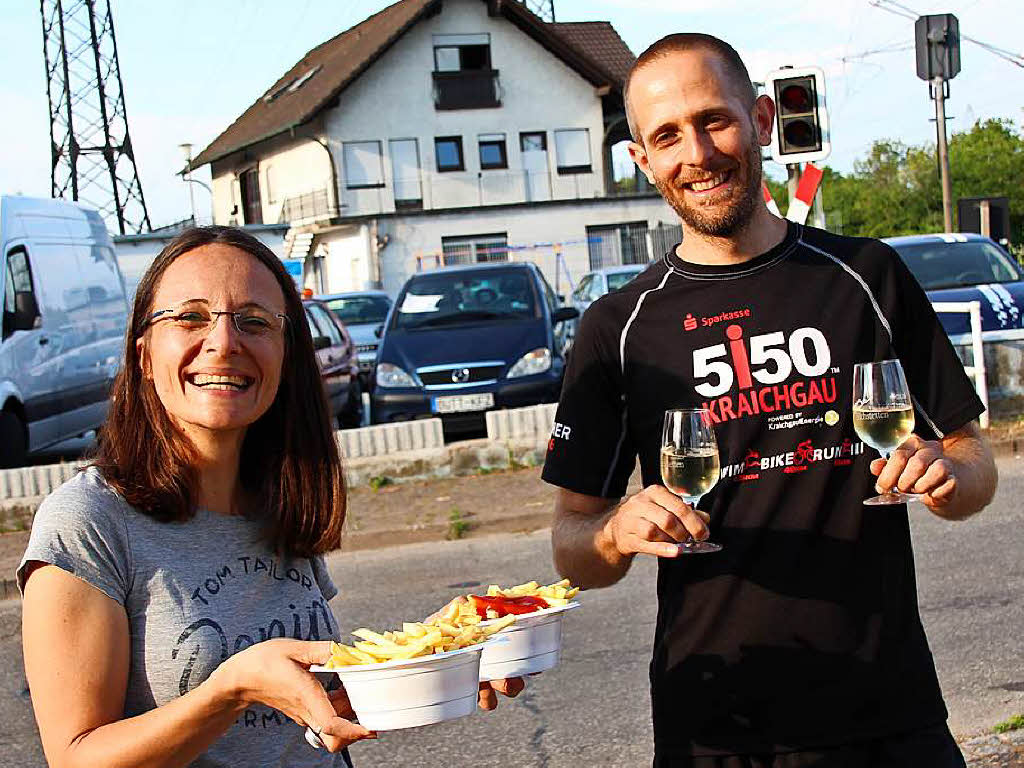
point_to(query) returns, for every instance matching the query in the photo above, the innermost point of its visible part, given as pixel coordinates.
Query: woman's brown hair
(290, 467)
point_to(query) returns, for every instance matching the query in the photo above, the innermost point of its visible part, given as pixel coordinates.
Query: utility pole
(793, 180)
(937, 44)
(186, 148)
(940, 92)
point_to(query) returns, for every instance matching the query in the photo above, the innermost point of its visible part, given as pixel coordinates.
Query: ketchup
(506, 605)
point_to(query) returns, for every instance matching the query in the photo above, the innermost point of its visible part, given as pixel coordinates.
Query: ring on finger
(313, 738)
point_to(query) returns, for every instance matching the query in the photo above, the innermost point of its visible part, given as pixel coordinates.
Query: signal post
(801, 132)
(937, 46)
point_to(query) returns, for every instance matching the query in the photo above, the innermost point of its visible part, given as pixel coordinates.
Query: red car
(338, 364)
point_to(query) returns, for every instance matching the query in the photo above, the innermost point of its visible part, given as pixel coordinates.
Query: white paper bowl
(412, 692)
(534, 645)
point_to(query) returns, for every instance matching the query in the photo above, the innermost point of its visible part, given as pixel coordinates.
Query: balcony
(466, 89)
(461, 189)
(309, 207)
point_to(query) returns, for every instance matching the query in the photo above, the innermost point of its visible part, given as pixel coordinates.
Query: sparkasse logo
(691, 323)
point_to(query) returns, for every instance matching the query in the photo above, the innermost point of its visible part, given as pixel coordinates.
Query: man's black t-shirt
(804, 630)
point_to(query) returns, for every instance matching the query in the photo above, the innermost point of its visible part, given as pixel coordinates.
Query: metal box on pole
(937, 43)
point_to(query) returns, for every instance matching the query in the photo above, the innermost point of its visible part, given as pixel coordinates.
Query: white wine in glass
(689, 462)
(883, 414)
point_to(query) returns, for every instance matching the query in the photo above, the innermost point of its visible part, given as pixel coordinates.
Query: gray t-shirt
(195, 593)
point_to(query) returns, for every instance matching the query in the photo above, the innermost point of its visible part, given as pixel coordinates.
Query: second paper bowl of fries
(534, 638)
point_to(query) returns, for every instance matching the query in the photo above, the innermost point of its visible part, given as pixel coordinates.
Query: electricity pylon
(92, 157)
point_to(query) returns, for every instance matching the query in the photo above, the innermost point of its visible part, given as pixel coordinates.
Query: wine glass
(689, 462)
(883, 414)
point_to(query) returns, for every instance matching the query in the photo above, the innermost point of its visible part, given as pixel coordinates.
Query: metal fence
(629, 244)
(607, 246)
(479, 250)
(977, 369)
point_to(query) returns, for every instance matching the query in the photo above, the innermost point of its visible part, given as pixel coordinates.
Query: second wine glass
(689, 462)
(883, 414)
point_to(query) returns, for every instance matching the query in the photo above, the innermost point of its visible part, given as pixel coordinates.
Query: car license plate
(457, 403)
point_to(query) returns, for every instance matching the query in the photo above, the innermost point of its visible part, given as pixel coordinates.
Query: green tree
(895, 188)
(988, 160)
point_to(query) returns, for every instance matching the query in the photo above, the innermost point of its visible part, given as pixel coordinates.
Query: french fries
(557, 594)
(454, 626)
(415, 639)
(463, 610)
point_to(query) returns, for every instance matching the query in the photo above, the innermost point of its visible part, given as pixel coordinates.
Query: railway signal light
(801, 132)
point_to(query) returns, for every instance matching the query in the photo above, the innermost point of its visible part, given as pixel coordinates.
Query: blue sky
(190, 67)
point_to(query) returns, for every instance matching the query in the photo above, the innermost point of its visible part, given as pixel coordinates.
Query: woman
(175, 592)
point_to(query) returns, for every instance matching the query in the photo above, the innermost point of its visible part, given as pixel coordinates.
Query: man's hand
(655, 522)
(511, 687)
(918, 466)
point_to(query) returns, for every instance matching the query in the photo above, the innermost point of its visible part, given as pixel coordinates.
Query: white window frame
(361, 179)
(270, 185)
(569, 158)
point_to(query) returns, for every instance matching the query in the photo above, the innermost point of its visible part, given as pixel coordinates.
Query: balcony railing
(461, 189)
(468, 89)
(308, 207)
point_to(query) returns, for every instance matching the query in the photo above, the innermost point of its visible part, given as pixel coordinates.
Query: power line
(894, 7)
(892, 48)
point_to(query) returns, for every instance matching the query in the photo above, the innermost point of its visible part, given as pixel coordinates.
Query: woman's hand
(276, 673)
(511, 687)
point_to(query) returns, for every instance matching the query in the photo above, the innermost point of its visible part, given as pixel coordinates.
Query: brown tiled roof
(600, 42)
(341, 59)
(594, 49)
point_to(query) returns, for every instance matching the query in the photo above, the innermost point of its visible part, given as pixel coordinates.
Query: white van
(64, 321)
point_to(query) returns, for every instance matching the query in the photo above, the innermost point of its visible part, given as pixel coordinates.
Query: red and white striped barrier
(770, 201)
(800, 206)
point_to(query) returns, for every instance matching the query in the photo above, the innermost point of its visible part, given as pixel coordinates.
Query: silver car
(596, 284)
(362, 313)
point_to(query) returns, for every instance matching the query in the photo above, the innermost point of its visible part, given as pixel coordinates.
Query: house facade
(439, 132)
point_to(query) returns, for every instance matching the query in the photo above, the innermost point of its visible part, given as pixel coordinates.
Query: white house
(439, 132)
(136, 252)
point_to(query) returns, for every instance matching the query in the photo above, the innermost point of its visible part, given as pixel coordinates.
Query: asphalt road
(594, 709)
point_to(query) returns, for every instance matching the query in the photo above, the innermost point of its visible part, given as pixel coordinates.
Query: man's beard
(725, 223)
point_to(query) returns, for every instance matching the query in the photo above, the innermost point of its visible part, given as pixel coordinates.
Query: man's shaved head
(690, 41)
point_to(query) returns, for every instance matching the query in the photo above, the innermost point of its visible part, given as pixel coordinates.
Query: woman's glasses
(196, 317)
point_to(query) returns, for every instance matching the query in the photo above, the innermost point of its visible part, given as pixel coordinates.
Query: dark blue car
(464, 340)
(967, 267)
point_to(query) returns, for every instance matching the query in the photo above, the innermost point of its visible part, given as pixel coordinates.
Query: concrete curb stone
(518, 438)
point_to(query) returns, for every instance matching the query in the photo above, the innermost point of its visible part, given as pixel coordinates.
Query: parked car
(63, 323)
(339, 367)
(968, 267)
(596, 284)
(362, 313)
(593, 285)
(464, 340)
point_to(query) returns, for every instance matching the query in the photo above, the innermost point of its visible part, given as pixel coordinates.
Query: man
(800, 643)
